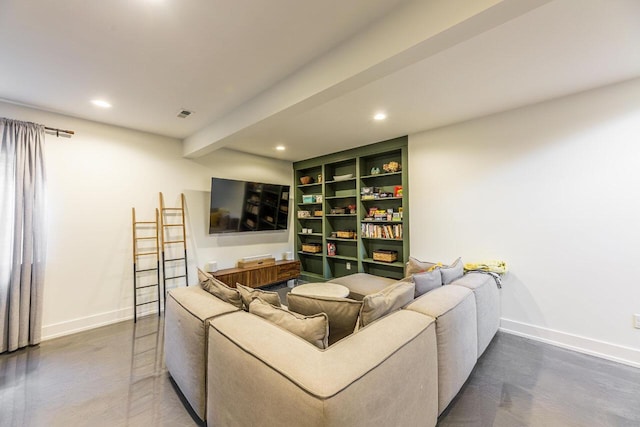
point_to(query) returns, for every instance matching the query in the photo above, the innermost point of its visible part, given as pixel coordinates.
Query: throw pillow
(427, 281)
(452, 272)
(248, 294)
(389, 299)
(203, 276)
(342, 312)
(216, 288)
(314, 329)
(414, 266)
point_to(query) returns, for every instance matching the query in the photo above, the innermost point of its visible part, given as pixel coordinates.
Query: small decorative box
(304, 214)
(313, 248)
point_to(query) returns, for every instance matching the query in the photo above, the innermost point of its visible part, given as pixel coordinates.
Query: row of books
(382, 231)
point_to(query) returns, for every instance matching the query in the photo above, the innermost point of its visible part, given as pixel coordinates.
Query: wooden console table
(258, 276)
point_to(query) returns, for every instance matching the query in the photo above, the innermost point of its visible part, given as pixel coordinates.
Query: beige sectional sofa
(237, 369)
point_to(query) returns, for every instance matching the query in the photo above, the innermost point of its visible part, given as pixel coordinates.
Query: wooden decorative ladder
(147, 253)
(170, 242)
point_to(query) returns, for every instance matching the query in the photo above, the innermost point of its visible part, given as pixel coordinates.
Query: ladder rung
(146, 269)
(172, 225)
(171, 209)
(146, 238)
(174, 277)
(147, 286)
(147, 253)
(173, 241)
(143, 303)
(144, 222)
(174, 259)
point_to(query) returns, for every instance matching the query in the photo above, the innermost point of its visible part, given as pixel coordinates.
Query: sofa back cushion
(390, 299)
(314, 329)
(248, 294)
(342, 312)
(217, 288)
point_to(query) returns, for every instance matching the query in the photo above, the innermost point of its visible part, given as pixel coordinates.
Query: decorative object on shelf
(337, 211)
(333, 234)
(342, 177)
(312, 248)
(375, 170)
(318, 213)
(352, 209)
(397, 191)
(304, 214)
(319, 178)
(319, 198)
(250, 262)
(331, 249)
(384, 255)
(307, 198)
(391, 167)
(304, 180)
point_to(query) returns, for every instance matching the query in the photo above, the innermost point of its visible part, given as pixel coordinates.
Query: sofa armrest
(260, 374)
(186, 313)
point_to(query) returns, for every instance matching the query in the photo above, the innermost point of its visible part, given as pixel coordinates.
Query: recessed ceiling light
(100, 103)
(280, 147)
(380, 116)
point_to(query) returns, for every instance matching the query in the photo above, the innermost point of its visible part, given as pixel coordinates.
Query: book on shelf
(382, 231)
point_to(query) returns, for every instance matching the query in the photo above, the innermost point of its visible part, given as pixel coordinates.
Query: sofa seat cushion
(363, 284)
(388, 300)
(360, 381)
(342, 312)
(487, 296)
(454, 308)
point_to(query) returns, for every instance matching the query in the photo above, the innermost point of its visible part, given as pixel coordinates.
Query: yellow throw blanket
(493, 266)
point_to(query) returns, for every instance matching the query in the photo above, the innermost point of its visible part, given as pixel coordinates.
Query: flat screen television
(238, 206)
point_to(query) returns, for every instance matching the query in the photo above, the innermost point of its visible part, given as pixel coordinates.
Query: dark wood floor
(115, 376)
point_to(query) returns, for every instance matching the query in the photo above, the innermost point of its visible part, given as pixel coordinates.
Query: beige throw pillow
(203, 276)
(248, 294)
(342, 312)
(216, 288)
(314, 329)
(389, 299)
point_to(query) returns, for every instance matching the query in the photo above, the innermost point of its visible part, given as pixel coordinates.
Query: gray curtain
(22, 233)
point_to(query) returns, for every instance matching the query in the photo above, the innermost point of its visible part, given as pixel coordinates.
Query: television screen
(247, 206)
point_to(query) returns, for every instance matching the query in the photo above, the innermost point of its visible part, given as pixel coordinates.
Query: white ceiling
(308, 75)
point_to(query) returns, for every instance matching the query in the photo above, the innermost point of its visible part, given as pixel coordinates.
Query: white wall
(553, 189)
(94, 179)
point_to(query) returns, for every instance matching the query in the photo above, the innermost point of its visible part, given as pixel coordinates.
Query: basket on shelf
(385, 255)
(312, 248)
(317, 213)
(346, 234)
(304, 214)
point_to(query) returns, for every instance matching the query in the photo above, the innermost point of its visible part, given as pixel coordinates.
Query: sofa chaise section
(186, 314)
(260, 374)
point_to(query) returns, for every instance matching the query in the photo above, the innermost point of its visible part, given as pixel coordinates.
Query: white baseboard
(80, 324)
(616, 353)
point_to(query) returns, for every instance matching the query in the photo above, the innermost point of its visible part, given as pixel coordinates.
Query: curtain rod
(59, 132)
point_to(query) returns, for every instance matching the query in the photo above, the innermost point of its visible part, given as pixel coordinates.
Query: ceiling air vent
(183, 114)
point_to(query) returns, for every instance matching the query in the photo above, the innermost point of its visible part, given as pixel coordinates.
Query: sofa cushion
(389, 299)
(414, 266)
(248, 294)
(225, 293)
(427, 281)
(361, 284)
(342, 312)
(452, 272)
(314, 329)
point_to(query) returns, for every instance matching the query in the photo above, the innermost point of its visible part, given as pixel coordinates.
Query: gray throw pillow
(414, 266)
(389, 299)
(452, 272)
(314, 329)
(342, 312)
(248, 294)
(427, 281)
